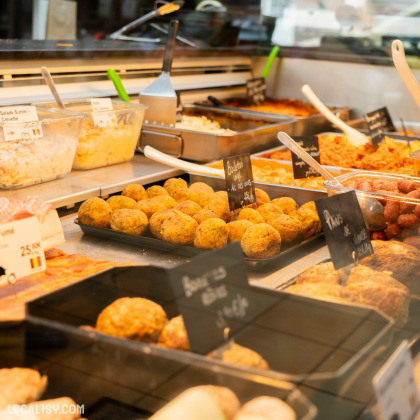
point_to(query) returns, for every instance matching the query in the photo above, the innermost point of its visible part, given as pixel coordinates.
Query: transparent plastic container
(41, 150)
(401, 205)
(416, 156)
(107, 137)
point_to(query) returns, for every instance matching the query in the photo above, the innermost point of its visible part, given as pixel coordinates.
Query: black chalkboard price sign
(300, 168)
(255, 91)
(379, 122)
(213, 296)
(239, 181)
(344, 228)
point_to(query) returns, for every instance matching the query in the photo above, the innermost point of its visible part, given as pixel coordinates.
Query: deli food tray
(299, 337)
(111, 380)
(286, 255)
(253, 133)
(301, 127)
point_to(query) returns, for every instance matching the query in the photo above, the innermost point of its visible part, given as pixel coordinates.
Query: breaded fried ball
(211, 234)
(135, 191)
(155, 191)
(221, 194)
(311, 225)
(205, 214)
(179, 229)
(136, 318)
(251, 215)
(244, 356)
(237, 229)
(149, 206)
(219, 207)
(95, 212)
(288, 227)
(261, 197)
(129, 221)
(188, 207)
(117, 202)
(204, 198)
(309, 205)
(287, 204)
(166, 200)
(201, 187)
(155, 222)
(174, 335)
(261, 241)
(269, 210)
(173, 184)
(185, 194)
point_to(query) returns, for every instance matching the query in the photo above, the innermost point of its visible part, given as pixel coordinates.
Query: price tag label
(21, 251)
(300, 168)
(239, 181)
(378, 123)
(344, 228)
(395, 386)
(214, 297)
(255, 91)
(100, 117)
(12, 118)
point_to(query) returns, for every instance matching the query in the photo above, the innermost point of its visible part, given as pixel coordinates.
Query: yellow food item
(269, 210)
(261, 241)
(173, 184)
(205, 214)
(250, 214)
(287, 204)
(174, 335)
(135, 191)
(129, 221)
(179, 229)
(166, 200)
(117, 202)
(95, 212)
(155, 191)
(156, 220)
(188, 207)
(103, 146)
(237, 229)
(288, 227)
(211, 234)
(149, 206)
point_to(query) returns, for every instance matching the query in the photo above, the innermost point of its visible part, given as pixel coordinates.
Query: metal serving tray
(119, 379)
(302, 126)
(254, 133)
(285, 257)
(296, 335)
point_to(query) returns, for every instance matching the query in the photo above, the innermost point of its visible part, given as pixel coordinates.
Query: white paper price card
(12, 118)
(100, 117)
(395, 386)
(101, 104)
(21, 251)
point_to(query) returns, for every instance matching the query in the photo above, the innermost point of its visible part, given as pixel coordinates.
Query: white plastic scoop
(154, 154)
(355, 137)
(400, 63)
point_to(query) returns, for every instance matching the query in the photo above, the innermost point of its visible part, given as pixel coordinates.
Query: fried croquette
(95, 212)
(179, 229)
(288, 227)
(261, 241)
(201, 187)
(309, 205)
(155, 191)
(185, 194)
(244, 356)
(155, 222)
(205, 214)
(237, 229)
(211, 234)
(222, 194)
(188, 207)
(129, 221)
(173, 184)
(220, 207)
(174, 335)
(287, 204)
(117, 202)
(166, 200)
(136, 318)
(149, 206)
(135, 191)
(251, 215)
(261, 197)
(269, 210)
(204, 198)
(311, 225)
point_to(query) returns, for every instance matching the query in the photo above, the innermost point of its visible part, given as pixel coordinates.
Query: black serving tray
(147, 240)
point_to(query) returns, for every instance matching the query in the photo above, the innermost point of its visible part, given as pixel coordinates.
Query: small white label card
(101, 118)
(21, 251)
(395, 386)
(12, 118)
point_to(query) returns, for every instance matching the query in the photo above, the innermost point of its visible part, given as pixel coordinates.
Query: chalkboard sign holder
(239, 181)
(379, 122)
(300, 168)
(213, 296)
(255, 91)
(344, 228)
